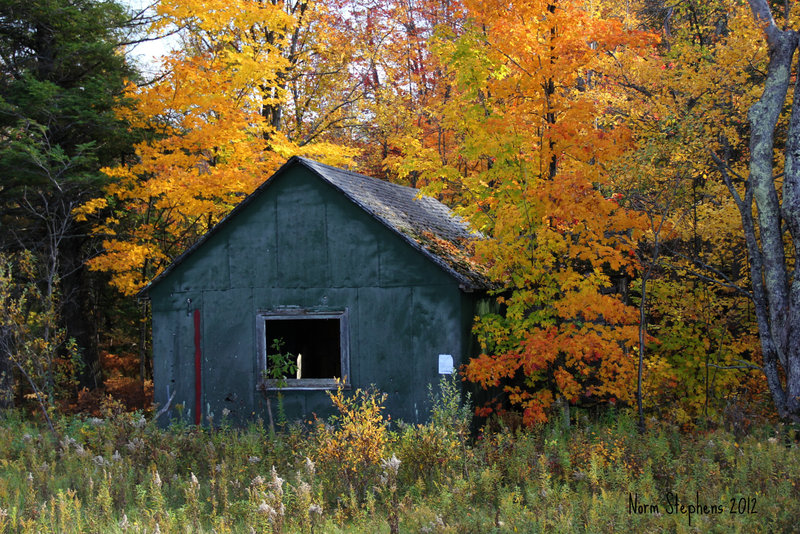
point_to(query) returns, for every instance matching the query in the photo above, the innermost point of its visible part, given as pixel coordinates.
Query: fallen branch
(165, 408)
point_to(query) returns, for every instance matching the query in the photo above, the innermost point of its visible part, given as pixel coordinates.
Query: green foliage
(61, 80)
(451, 410)
(427, 452)
(279, 365)
(63, 71)
(698, 357)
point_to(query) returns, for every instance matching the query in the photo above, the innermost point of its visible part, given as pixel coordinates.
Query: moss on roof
(424, 222)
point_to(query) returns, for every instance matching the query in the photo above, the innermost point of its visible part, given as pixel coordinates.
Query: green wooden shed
(363, 280)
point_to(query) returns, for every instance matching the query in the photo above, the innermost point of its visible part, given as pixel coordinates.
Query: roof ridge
(306, 160)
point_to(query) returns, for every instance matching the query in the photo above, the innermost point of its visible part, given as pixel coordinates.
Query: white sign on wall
(446, 364)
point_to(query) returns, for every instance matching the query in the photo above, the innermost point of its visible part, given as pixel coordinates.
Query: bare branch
(148, 39)
(743, 365)
(724, 171)
(707, 278)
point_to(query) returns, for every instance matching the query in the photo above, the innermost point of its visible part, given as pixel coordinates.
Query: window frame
(293, 314)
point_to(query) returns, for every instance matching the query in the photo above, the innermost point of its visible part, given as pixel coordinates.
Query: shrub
(353, 445)
(430, 451)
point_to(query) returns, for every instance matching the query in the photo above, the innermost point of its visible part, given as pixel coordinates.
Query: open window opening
(303, 350)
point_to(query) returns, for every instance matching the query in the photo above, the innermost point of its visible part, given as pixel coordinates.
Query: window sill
(308, 384)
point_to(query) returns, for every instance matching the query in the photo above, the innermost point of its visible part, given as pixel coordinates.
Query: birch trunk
(776, 291)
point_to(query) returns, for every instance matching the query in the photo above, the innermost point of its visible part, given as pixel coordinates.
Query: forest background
(602, 147)
(632, 165)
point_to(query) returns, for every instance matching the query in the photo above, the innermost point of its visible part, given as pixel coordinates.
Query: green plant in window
(279, 366)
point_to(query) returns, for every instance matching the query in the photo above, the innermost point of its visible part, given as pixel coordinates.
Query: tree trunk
(777, 301)
(75, 305)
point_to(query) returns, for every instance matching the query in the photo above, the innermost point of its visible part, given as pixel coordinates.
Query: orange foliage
(530, 140)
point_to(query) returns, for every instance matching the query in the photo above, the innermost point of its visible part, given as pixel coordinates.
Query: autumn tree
(252, 83)
(533, 140)
(697, 345)
(407, 85)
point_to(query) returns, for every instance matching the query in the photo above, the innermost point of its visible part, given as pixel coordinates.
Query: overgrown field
(121, 473)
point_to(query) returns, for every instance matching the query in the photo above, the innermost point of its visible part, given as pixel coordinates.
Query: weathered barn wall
(303, 243)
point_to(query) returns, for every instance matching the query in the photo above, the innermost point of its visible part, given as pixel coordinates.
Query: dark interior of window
(316, 341)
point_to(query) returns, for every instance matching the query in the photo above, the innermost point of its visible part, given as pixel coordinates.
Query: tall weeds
(353, 473)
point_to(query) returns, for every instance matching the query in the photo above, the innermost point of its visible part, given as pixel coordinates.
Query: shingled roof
(423, 222)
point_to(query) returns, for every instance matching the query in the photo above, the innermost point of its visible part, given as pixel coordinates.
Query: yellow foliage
(216, 134)
(683, 104)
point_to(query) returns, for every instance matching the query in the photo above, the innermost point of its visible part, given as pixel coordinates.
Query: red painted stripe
(198, 400)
